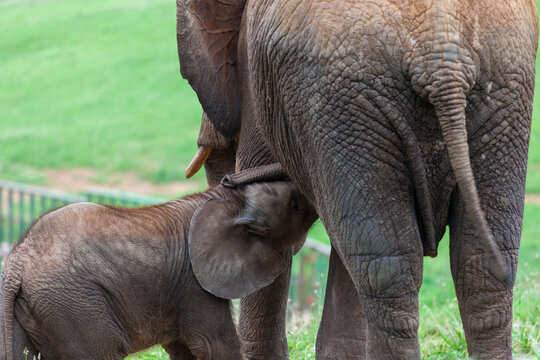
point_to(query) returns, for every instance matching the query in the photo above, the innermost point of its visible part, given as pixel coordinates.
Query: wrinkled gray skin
(94, 282)
(395, 118)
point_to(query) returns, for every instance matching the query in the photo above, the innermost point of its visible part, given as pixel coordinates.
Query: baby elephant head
(236, 243)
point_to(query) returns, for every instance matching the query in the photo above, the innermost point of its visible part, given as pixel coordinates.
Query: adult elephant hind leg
(498, 155)
(342, 333)
(376, 234)
(485, 303)
(3, 332)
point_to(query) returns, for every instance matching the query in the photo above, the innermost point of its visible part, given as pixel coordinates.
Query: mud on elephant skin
(91, 282)
(388, 115)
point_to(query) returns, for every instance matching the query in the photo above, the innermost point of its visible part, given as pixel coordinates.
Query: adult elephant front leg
(263, 314)
(376, 234)
(342, 333)
(262, 322)
(263, 317)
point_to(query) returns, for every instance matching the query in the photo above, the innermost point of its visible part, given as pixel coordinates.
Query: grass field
(96, 85)
(93, 84)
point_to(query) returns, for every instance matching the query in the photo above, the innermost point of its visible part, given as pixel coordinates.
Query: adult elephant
(396, 118)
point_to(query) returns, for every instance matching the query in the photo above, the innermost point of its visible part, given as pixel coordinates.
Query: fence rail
(120, 198)
(21, 205)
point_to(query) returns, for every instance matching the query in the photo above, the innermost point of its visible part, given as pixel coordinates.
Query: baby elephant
(97, 282)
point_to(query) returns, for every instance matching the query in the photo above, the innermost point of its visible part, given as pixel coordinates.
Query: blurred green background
(90, 94)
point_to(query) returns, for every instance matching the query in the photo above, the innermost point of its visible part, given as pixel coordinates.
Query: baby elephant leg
(23, 348)
(73, 324)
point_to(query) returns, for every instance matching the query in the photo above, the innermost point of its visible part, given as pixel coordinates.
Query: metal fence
(21, 205)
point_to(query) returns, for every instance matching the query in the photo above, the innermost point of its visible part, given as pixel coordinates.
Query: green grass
(96, 84)
(93, 84)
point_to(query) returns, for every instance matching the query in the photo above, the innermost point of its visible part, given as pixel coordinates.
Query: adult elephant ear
(230, 256)
(207, 35)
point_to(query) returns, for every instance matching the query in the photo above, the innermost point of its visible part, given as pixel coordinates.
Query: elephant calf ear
(227, 260)
(207, 35)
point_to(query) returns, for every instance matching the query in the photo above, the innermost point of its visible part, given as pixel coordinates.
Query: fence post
(1, 214)
(10, 221)
(21, 213)
(32, 207)
(42, 204)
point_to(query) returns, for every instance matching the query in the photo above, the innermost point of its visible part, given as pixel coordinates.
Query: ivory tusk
(198, 161)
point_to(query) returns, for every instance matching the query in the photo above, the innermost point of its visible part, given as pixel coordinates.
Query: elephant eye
(293, 204)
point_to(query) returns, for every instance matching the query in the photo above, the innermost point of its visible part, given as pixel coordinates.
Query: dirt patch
(532, 199)
(80, 179)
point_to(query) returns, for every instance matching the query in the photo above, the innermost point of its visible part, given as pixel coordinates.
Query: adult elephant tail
(443, 72)
(444, 78)
(449, 100)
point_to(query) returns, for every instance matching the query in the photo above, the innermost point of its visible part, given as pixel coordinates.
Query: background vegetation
(95, 85)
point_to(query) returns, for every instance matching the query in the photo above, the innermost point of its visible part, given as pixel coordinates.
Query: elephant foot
(178, 351)
(391, 321)
(271, 350)
(485, 323)
(488, 326)
(383, 346)
(392, 329)
(391, 306)
(341, 348)
(486, 310)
